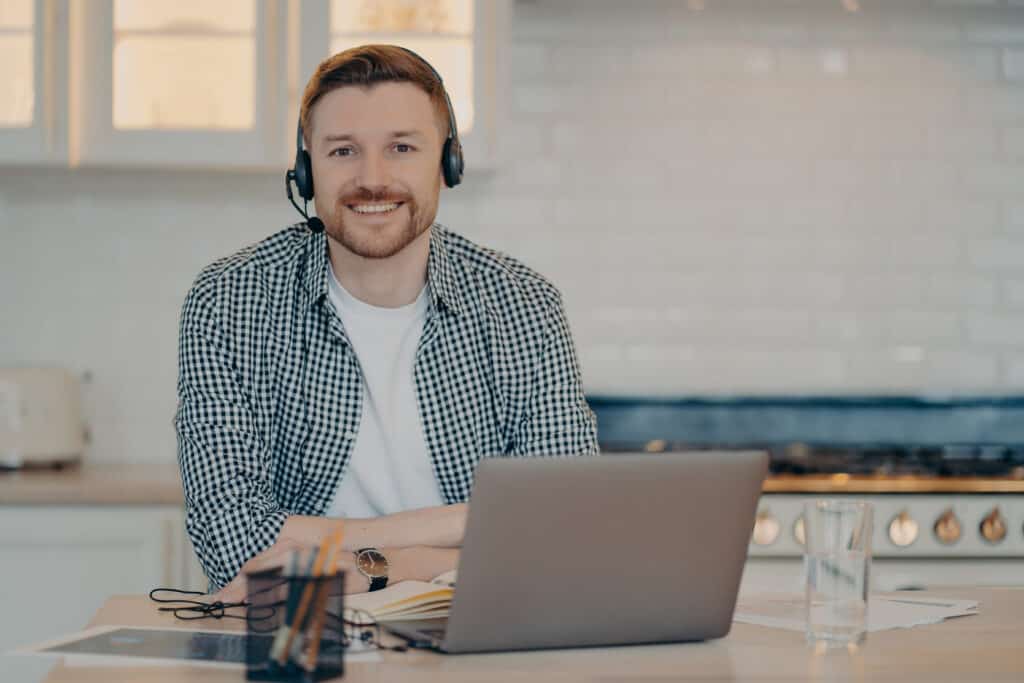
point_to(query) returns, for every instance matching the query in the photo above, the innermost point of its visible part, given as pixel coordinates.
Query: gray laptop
(606, 550)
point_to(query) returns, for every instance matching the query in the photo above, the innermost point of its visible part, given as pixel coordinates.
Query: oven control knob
(947, 527)
(993, 527)
(766, 528)
(798, 530)
(902, 529)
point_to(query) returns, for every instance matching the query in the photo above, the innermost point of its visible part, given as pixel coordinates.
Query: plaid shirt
(270, 390)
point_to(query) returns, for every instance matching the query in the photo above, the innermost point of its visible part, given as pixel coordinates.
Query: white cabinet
(33, 102)
(60, 563)
(194, 83)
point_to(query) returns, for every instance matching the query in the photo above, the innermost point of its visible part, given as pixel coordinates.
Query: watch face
(372, 563)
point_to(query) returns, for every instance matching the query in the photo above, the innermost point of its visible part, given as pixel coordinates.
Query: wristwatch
(372, 564)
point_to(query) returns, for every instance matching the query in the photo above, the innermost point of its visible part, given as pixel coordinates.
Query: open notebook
(408, 599)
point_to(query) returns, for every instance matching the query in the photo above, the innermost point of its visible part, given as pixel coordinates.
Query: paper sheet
(786, 611)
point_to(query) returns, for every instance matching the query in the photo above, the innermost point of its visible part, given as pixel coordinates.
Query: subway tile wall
(778, 196)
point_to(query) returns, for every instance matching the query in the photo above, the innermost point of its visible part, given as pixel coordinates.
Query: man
(360, 373)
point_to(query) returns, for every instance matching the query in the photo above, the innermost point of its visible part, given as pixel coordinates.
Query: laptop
(607, 550)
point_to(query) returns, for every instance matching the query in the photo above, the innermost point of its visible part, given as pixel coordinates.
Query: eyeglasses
(356, 625)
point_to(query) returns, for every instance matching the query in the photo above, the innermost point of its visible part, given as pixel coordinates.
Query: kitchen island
(988, 646)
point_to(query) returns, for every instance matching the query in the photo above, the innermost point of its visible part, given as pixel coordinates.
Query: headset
(452, 162)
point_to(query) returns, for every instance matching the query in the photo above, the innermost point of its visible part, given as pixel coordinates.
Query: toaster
(40, 417)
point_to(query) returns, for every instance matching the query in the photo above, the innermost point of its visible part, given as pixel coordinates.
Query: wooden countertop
(985, 647)
(99, 484)
(160, 484)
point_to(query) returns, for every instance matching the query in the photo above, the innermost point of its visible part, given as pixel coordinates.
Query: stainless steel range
(946, 477)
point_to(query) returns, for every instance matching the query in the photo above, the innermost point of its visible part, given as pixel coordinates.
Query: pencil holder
(294, 629)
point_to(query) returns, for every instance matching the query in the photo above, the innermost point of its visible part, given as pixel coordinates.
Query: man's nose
(374, 171)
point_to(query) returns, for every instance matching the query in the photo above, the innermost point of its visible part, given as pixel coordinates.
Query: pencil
(307, 595)
(292, 627)
(320, 613)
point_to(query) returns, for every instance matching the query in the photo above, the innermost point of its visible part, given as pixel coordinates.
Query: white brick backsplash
(1014, 377)
(726, 371)
(997, 253)
(967, 3)
(813, 62)
(888, 62)
(1013, 219)
(849, 328)
(995, 33)
(854, 175)
(989, 328)
(1004, 180)
(1013, 293)
(1013, 64)
(961, 142)
(908, 327)
(962, 64)
(961, 216)
(884, 290)
(597, 62)
(920, 369)
(955, 291)
(894, 369)
(1013, 144)
(950, 370)
(528, 61)
(538, 99)
(925, 251)
(999, 105)
(921, 30)
(536, 172)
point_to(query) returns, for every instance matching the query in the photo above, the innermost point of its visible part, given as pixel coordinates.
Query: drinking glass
(837, 563)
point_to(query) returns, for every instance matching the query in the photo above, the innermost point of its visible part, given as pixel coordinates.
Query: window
(17, 63)
(441, 31)
(186, 64)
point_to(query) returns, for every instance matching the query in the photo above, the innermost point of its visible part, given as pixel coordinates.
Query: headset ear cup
(304, 175)
(451, 162)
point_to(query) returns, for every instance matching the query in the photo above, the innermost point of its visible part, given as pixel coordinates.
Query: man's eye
(341, 152)
(402, 147)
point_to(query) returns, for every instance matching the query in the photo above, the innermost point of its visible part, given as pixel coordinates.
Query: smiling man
(357, 365)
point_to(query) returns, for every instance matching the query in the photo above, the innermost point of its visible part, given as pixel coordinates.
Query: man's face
(376, 166)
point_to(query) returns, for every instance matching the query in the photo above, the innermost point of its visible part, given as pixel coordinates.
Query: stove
(946, 477)
(871, 459)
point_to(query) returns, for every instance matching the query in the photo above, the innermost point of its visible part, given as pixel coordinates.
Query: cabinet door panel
(33, 100)
(61, 563)
(179, 84)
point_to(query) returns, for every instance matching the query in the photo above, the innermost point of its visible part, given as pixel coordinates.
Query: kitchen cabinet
(61, 562)
(33, 104)
(178, 83)
(196, 84)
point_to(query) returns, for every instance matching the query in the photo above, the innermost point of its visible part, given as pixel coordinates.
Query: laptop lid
(613, 549)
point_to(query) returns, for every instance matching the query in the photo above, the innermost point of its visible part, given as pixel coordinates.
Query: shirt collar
(441, 276)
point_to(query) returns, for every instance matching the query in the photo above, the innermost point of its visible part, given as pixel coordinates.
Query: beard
(378, 241)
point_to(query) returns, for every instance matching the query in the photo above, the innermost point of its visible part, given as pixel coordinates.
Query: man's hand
(275, 556)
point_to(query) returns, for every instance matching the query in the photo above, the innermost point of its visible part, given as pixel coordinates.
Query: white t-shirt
(390, 468)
